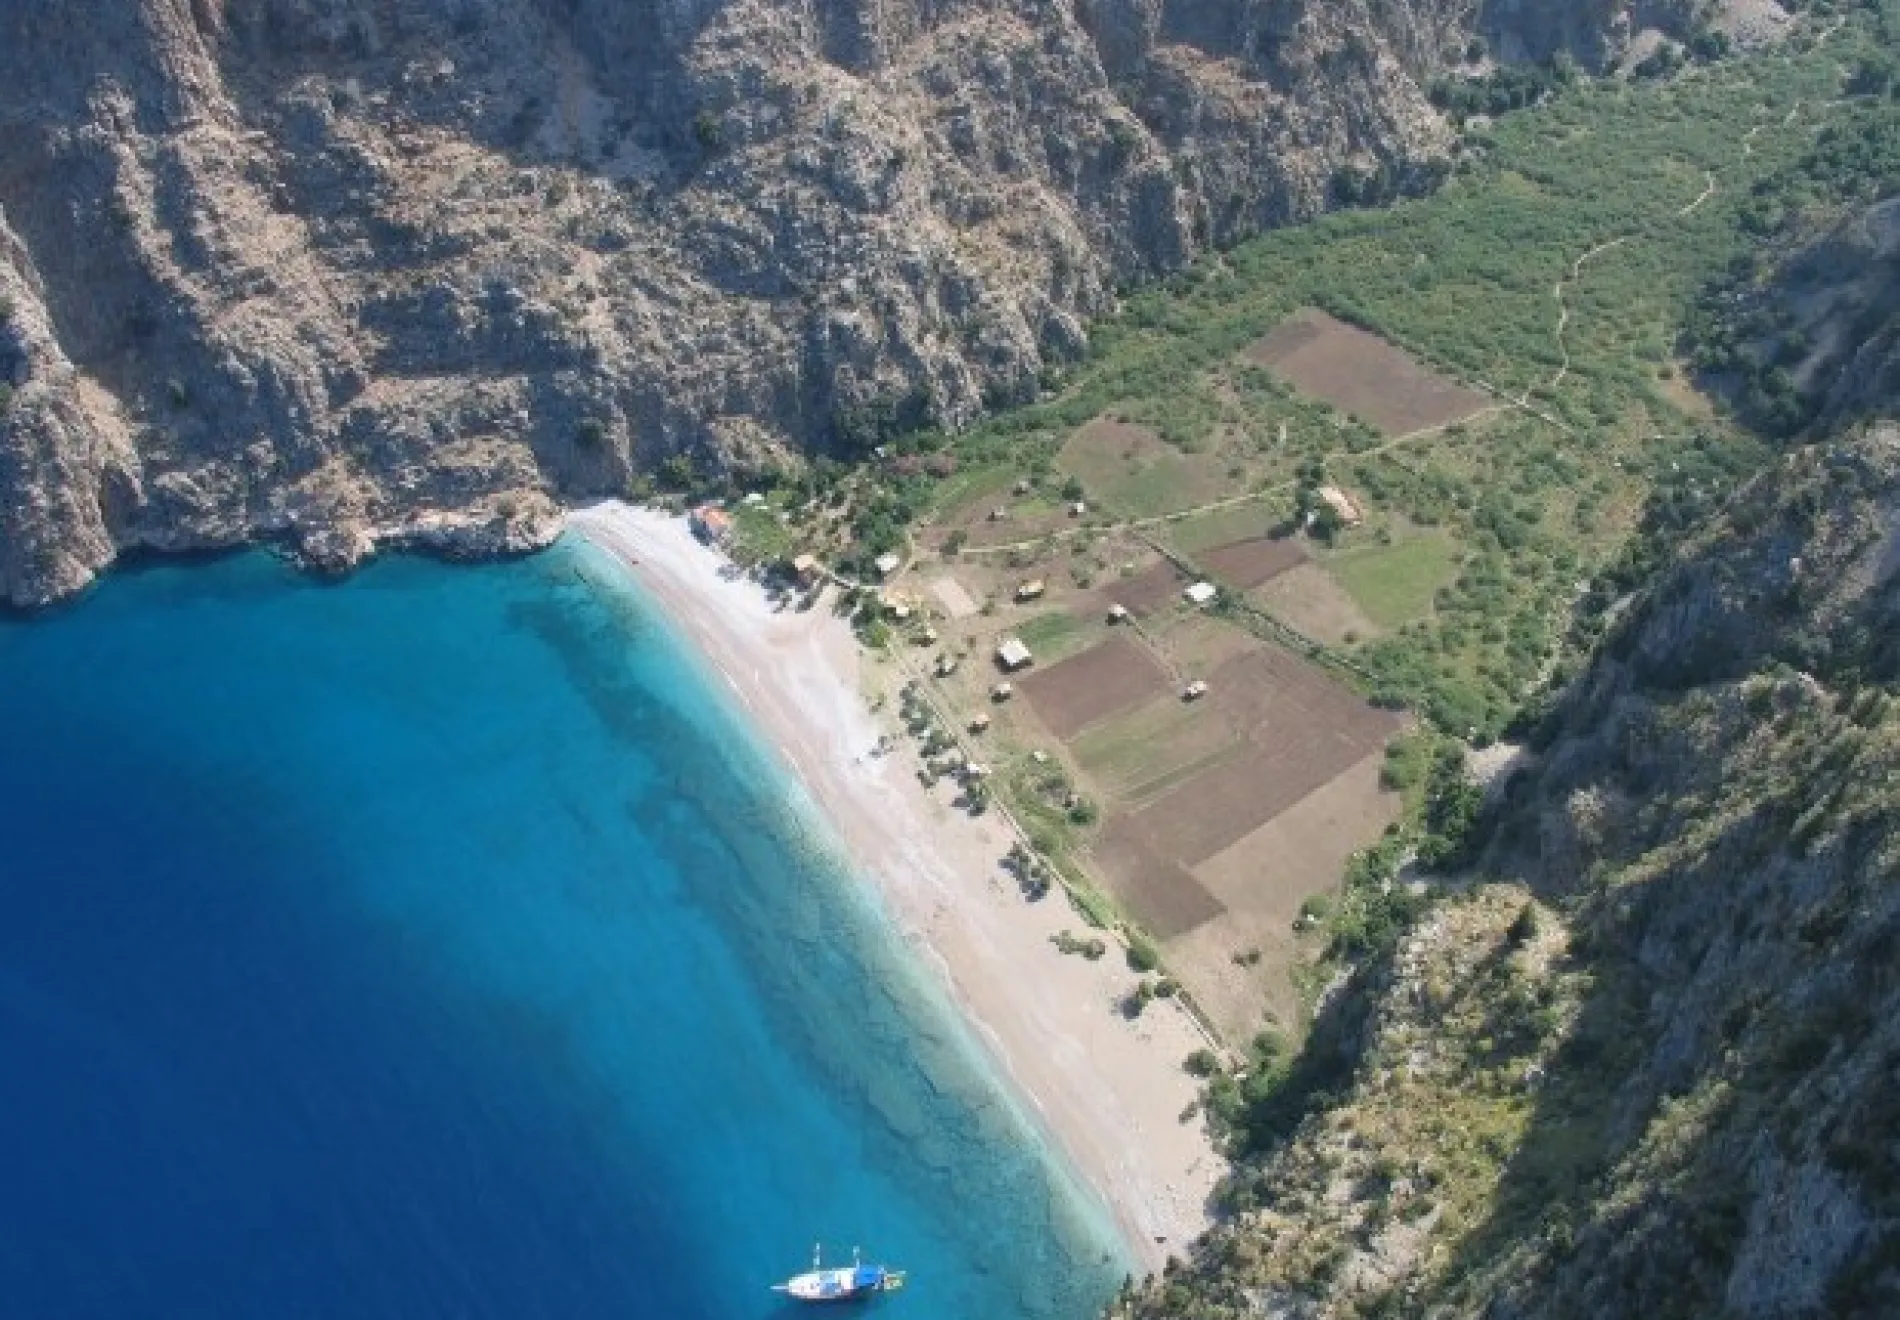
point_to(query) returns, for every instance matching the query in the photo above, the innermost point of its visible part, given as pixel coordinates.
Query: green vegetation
(1743, 337)
(1395, 584)
(1050, 634)
(1605, 189)
(1507, 87)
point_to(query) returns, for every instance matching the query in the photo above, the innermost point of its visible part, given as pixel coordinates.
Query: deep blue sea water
(439, 944)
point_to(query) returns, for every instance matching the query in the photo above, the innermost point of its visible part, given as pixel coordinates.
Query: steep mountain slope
(1651, 1068)
(346, 271)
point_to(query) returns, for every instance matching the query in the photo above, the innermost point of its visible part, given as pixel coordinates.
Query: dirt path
(1521, 402)
(1563, 308)
(1234, 501)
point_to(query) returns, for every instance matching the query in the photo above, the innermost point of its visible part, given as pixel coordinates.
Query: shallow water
(439, 944)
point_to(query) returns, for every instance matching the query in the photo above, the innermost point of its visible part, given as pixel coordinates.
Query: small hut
(1011, 654)
(979, 721)
(1118, 614)
(1194, 691)
(1031, 590)
(1002, 692)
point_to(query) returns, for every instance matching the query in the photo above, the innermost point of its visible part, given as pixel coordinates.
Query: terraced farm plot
(1295, 729)
(1053, 634)
(1147, 592)
(1311, 601)
(1109, 677)
(1244, 565)
(1131, 469)
(1136, 755)
(1362, 374)
(1240, 522)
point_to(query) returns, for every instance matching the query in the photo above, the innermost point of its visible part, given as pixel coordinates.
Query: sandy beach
(1109, 1090)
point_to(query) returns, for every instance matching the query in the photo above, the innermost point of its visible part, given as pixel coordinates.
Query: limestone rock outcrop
(340, 272)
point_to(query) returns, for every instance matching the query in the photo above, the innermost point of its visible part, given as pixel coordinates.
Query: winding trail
(1506, 400)
(1229, 502)
(1563, 308)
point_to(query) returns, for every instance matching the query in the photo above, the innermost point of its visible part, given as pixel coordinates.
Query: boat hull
(848, 1284)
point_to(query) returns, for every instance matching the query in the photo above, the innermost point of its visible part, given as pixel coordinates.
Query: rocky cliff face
(337, 272)
(1650, 1066)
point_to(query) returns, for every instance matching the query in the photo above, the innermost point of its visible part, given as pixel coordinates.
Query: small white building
(1117, 613)
(886, 564)
(1011, 654)
(1002, 692)
(1077, 509)
(1201, 593)
(1194, 691)
(1031, 589)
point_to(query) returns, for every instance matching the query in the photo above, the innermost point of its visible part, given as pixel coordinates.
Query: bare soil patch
(1310, 600)
(1299, 730)
(1112, 676)
(1244, 565)
(1159, 893)
(1142, 594)
(1023, 520)
(1362, 374)
(957, 602)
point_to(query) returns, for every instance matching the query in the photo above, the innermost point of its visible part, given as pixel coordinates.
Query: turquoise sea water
(439, 944)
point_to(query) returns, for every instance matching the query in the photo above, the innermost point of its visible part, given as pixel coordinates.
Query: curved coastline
(1103, 1096)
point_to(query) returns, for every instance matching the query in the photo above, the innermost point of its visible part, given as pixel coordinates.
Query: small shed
(1201, 593)
(1022, 486)
(1002, 692)
(946, 665)
(979, 721)
(805, 569)
(1077, 509)
(886, 564)
(998, 514)
(1194, 691)
(1011, 654)
(1031, 589)
(1117, 613)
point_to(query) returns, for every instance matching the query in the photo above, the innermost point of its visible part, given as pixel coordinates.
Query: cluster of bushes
(1091, 947)
(1036, 876)
(1506, 88)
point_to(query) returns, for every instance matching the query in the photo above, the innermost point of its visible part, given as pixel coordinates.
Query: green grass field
(1052, 635)
(1394, 584)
